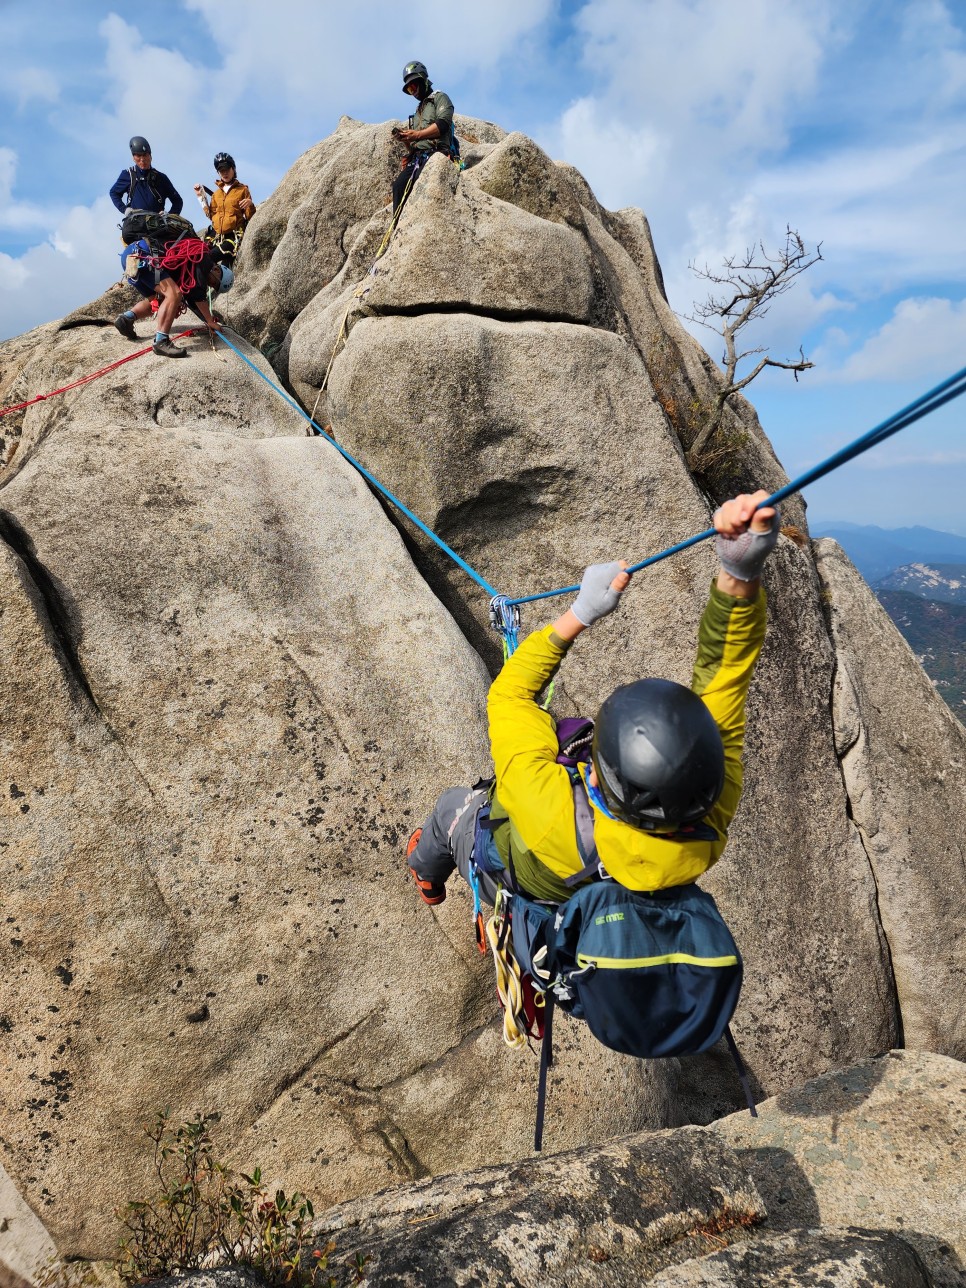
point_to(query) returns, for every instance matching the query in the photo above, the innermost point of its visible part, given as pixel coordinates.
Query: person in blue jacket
(141, 187)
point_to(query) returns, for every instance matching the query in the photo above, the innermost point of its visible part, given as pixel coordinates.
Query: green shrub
(205, 1214)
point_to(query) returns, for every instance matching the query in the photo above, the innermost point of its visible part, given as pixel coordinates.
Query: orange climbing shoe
(431, 892)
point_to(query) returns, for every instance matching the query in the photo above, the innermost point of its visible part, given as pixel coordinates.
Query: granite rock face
(806, 1259)
(232, 686)
(615, 1214)
(902, 772)
(855, 1180)
(208, 786)
(879, 1145)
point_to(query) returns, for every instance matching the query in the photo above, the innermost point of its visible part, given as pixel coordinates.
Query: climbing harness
(225, 245)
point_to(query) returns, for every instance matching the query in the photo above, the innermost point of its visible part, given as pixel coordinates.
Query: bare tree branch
(753, 281)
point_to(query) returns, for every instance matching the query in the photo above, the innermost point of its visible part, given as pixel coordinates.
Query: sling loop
(546, 1061)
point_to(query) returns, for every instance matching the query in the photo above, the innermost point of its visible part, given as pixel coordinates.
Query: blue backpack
(652, 974)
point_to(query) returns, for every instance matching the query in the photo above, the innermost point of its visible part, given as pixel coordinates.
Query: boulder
(612, 1215)
(300, 236)
(858, 1174)
(215, 741)
(878, 1145)
(806, 1259)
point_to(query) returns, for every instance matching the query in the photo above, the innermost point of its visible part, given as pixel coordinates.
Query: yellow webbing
(509, 984)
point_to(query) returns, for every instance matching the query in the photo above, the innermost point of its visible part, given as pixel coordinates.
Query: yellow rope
(361, 290)
(509, 982)
(510, 989)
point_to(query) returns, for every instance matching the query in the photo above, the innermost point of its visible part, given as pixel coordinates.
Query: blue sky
(724, 123)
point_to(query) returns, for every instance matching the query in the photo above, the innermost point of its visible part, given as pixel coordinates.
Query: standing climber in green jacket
(430, 129)
(665, 774)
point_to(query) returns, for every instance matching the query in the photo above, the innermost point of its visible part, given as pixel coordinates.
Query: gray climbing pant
(447, 840)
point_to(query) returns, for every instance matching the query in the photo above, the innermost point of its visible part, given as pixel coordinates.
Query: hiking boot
(168, 350)
(126, 327)
(431, 892)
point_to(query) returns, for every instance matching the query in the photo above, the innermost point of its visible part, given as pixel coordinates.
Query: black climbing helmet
(415, 71)
(658, 755)
(139, 144)
(223, 160)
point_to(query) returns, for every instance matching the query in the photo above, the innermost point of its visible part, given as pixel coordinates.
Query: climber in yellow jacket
(665, 774)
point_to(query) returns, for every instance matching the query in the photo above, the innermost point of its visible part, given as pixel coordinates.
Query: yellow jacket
(535, 793)
(224, 209)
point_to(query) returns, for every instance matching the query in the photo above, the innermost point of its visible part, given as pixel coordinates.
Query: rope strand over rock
(504, 614)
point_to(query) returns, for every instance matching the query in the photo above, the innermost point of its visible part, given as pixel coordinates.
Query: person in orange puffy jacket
(229, 208)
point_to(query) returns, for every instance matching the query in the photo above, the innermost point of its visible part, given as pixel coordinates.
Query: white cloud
(18, 215)
(910, 460)
(609, 154)
(328, 59)
(154, 91)
(30, 84)
(925, 337)
(13, 274)
(73, 266)
(888, 215)
(702, 68)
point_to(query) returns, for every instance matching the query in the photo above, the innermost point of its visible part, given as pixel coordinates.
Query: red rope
(84, 379)
(184, 255)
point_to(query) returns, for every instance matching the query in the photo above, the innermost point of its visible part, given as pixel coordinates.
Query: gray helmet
(658, 755)
(413, 72)
(227, 278)
(139, 144)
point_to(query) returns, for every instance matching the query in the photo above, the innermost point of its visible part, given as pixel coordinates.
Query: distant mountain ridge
(936, 633)
(877, 552)
(941, 583)
(919, 576)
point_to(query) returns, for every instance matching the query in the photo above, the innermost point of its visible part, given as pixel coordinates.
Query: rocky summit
(235, 679)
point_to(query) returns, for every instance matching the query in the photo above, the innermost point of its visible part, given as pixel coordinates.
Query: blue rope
(484, 585)
(922, 406)
(504, 612)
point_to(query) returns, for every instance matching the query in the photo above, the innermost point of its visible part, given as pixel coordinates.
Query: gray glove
(744, 557)
(596, 598)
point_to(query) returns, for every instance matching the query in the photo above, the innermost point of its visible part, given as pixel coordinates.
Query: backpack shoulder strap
(584, 827)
